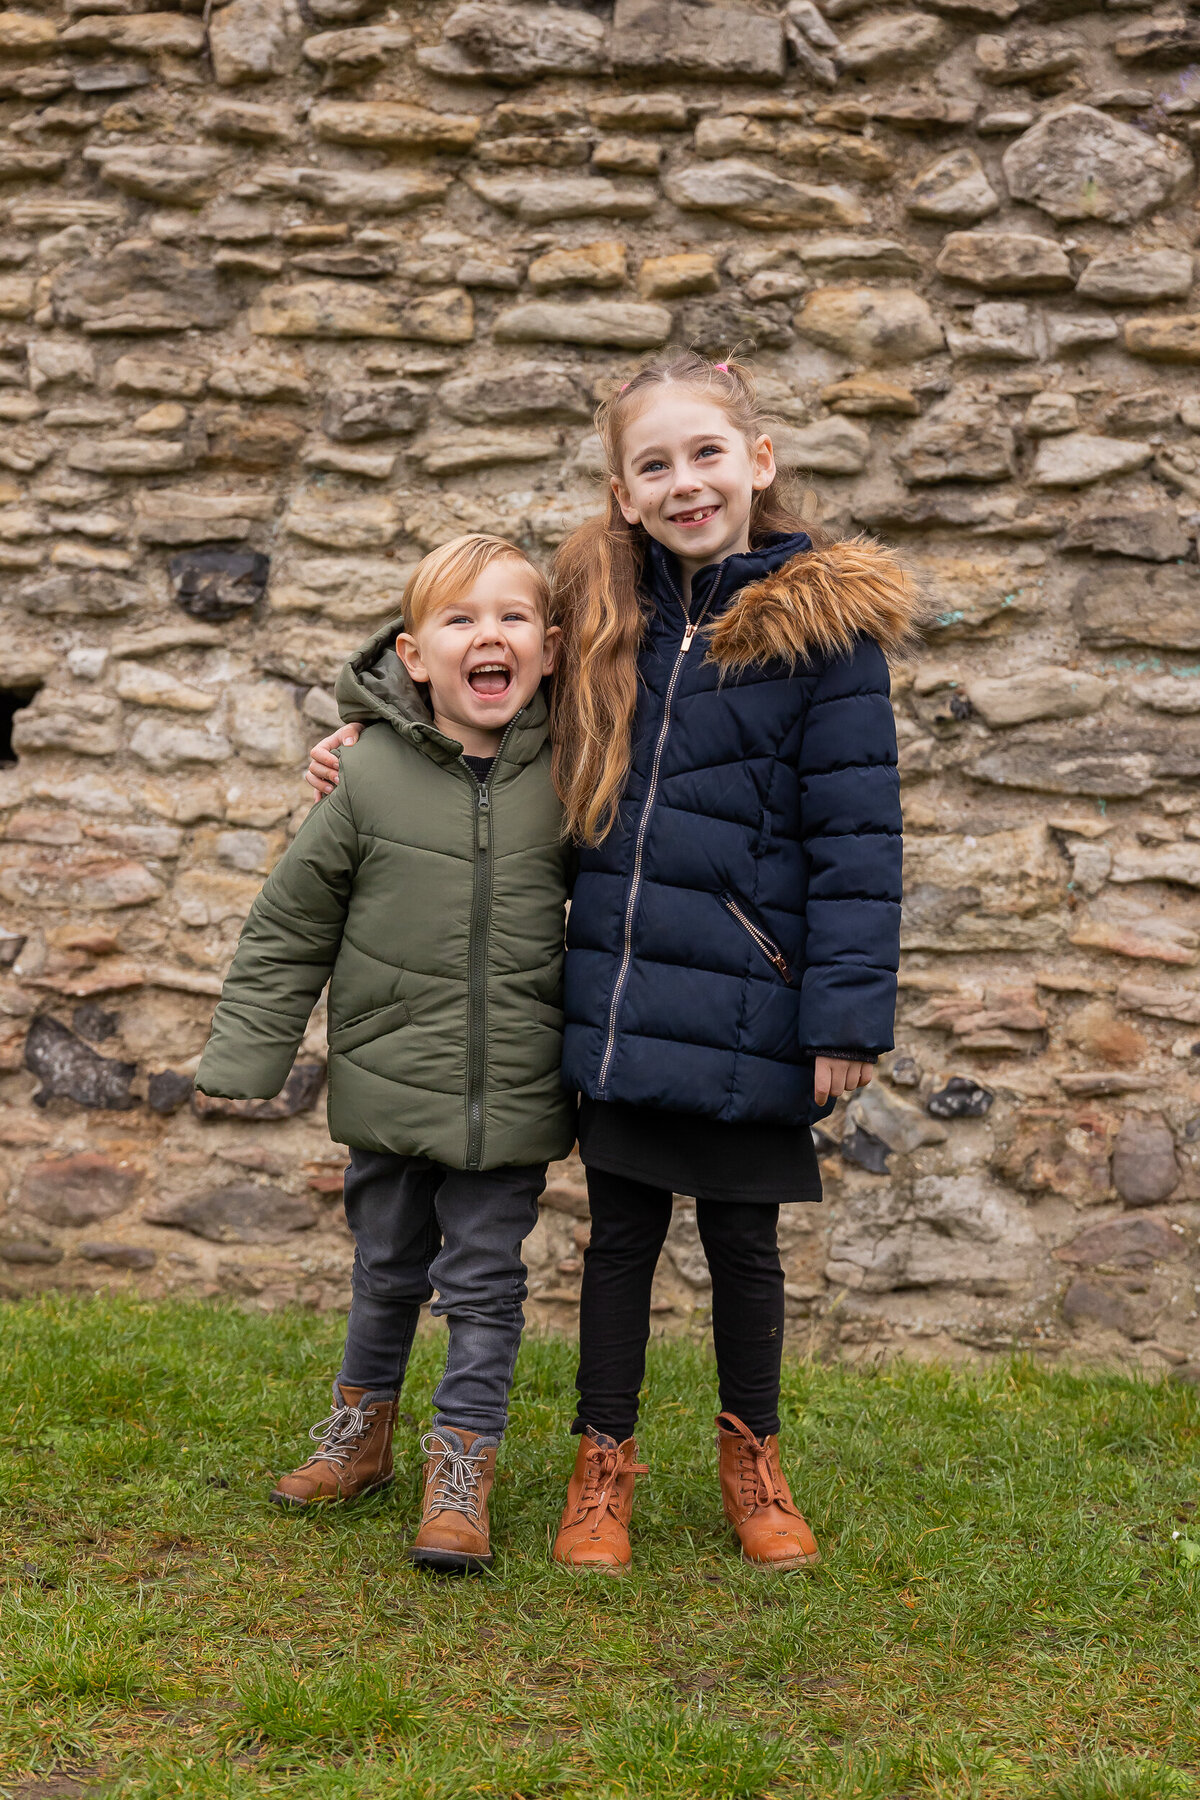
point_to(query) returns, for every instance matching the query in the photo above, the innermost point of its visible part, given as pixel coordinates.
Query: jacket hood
(375, 684)
(817, 604)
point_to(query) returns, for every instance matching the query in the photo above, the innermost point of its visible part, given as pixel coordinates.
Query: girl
(726, 756)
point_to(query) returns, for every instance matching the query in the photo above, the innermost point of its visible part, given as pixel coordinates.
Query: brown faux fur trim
(817, 605)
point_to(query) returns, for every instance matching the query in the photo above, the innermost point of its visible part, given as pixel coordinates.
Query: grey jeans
(420, 1227)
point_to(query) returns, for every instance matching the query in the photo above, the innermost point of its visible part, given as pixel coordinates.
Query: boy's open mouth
(490, 680)
(699, 515)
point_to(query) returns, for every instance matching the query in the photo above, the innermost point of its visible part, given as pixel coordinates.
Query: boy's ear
(550, 648)
(410, 656)
(629, 511)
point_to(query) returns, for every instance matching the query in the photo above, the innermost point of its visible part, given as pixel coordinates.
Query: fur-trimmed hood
(816, 605)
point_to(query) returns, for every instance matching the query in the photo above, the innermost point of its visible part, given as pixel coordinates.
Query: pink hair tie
(724, 367)
(622, 388)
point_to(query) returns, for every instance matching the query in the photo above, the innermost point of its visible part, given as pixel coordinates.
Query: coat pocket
(762, 941)
(368, 1026)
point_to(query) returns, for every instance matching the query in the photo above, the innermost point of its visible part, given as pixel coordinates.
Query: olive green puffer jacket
(434, 906)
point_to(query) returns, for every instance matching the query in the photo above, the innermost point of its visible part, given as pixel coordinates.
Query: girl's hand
(322, 771)
(832, 1078)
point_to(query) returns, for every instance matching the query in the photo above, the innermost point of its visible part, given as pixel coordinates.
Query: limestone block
(1045, 691)
(954, 187)
(545, 152)
(711, 326)
(1014, 872)
(627, 156)
(1159, 862)
(830, 447)
(751, 195)
(1173, 338)
(895, 1121)
(21, 34)
(253, 40)
(30, 165)
(866, 394)
(892, 41)
(599, 265)
(836, 258)
(165, 747)
(140, 286)
(353, 190)
(171, 516)
(1134, 277)
(244, 121)
(1024, 56)
(518, 391)
(251, 378)
(1050, 414)
(1078, 458)
(51, 360)
(69, 1191)
(640, 112)
(672, 40)
(482, 449)
(538, 199)
(1161, 42)
(1005, 262)
(69, 1070)
(630, 325)
(514, 45)
(264, 724)
(142, 374)
(343, 525)
(962, 1230)
(961, 438)
(870, 325)
(1145, 1169)
(353, 414)
(128, 456)
(1001, 331)
(1077, 163)
(87, 724)
(37, 877)
(142, 34)
(244, 1213)
(1168, 693)
(96, 595)
(388, 122)
(671, 277)
(154, 687)
(1182, 1005)
(172, 174)
(350, 56)
(345, 309)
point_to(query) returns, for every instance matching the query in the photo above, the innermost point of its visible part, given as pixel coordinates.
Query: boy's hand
(322, 771)
(831, 1079)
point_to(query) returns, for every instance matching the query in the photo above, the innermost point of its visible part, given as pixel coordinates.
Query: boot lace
(456, 1478)
(339, 1435)
(760, 1482)
(602, 1466)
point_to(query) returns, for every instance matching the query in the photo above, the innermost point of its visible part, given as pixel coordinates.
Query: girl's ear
(762, 463)
(629, 511)
(410, 656)
(550, 648)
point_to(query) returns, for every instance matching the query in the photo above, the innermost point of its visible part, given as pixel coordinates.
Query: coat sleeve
(284, 958)
(851, 829)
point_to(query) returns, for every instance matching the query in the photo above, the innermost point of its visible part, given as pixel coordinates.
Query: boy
(430, 886)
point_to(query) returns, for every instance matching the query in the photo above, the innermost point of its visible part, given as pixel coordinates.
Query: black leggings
(629, 1224)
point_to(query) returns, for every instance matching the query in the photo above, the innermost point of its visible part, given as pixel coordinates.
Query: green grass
(1008, 1606)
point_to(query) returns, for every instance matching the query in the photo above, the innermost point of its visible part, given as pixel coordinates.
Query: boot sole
(785, 1563)
(291, 1504)
(451, 1562)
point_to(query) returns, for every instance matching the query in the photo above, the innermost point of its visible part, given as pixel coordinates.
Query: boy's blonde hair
(443, 576)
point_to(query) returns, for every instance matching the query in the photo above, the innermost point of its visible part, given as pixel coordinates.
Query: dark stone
(242, 1214)
(716, 327)
(77, 1190)
(905, 1072)
(167, 1091)
(11, 946)
(26, 1251)
(1149, 536)
(1145, 1169)
(140, 286)
(219, 582)
(961, 1098)
(92, 1022)
(251, 440)
(110, 78)
(1137, 1241)
(119, 1256)
(68, 1070)
(352, 414)
(823, 1144)
(344, 262)
(1099, 1303)
(866, 1151)
(298, 1094)
(89, 593)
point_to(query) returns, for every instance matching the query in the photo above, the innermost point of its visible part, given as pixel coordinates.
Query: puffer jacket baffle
(436, 905)
(744, 915)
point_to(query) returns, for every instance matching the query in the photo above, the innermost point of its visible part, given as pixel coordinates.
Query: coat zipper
(758, 937)
(639, 847)
(477, 958)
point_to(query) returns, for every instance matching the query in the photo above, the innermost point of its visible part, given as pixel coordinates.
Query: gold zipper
(759, 939)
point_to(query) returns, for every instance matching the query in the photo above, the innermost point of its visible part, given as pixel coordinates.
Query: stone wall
(293, 296)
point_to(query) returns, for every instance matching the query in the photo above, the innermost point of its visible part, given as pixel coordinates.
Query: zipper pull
(483, 820)
(688, 635)
(485, 800)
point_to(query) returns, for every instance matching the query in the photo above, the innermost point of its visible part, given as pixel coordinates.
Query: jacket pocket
(547, 1015)
(368, 1026)
(766, 946)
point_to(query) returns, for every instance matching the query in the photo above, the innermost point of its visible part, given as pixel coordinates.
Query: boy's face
(482, 656)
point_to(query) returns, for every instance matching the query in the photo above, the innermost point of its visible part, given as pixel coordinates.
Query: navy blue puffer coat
(744, 914)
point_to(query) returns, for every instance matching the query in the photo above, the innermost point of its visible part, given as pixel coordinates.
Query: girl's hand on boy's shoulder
(833, 1078)
(322, 770)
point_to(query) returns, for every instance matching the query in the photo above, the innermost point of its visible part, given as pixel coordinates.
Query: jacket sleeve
(851, 829)
(284, 957)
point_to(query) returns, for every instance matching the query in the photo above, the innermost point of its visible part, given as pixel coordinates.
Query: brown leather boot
(758, 1502)
(355, 1457)
(593, 1532)
(455, 1536)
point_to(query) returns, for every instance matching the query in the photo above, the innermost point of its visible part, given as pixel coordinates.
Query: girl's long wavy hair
(597, 574)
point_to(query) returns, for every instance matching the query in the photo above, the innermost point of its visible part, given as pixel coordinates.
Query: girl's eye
(709, 450)
(652, 468)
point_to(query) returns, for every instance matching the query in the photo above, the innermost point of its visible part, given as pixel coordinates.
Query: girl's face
(689, 476)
